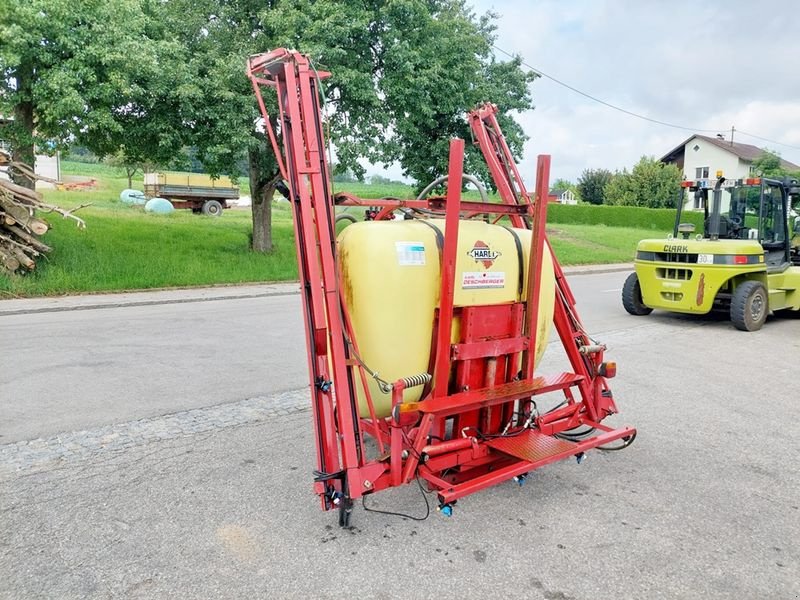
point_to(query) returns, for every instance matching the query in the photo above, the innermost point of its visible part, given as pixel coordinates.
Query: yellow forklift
(746, 261)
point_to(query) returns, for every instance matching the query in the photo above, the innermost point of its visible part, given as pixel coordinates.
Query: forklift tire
(749, 306)
(212, 208)
(632, 297)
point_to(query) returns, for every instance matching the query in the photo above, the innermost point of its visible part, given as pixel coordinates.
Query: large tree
(97, 73)
(650, 183)
(770, 164)
(592, 185)
(403, 74)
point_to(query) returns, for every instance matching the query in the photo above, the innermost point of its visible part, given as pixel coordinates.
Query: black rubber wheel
(632, 297)
(212, 208)
(749, 306)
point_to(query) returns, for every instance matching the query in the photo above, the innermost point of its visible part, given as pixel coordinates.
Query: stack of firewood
(20, 225)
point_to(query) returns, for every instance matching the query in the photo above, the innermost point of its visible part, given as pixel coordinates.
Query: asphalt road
(80, 369)
(704, 505)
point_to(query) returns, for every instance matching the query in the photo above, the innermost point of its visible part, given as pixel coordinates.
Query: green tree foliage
(651, 183)
(153, 77)
(404, 72)
(769, 164)
(91, 72)
(592, 184)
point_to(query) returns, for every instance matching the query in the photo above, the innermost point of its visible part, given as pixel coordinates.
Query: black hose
(439, 180)
(626, 441)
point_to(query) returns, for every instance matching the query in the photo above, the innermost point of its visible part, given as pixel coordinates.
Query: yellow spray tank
(390, 276)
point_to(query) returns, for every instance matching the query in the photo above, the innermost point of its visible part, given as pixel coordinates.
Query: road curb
(597, 269)
(193, 295)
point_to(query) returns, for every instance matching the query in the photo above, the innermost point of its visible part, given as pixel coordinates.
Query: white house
(562, 197)
(701, 156)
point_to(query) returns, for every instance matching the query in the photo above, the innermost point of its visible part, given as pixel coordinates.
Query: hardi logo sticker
(481, 253)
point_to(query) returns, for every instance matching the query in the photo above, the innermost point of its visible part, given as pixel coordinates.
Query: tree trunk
(262, 189)
(130, 177)
(22, 149)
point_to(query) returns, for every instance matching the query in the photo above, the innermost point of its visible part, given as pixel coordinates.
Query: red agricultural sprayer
(424, 324)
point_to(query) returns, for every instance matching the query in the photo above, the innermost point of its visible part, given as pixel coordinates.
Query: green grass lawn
(124, 248)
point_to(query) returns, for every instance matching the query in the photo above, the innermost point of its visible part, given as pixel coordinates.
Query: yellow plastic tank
(390, 275)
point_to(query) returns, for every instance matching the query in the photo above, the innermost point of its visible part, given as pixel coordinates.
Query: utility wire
(758, 137)
(541, 73)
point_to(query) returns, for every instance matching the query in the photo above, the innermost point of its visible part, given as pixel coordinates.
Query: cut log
(7, 260)
(22, 215)
(29, 239)
(19, 225)
(21, 192)
(23, 259)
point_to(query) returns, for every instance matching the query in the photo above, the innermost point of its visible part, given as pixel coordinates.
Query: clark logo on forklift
(675, 248)
(481, 253)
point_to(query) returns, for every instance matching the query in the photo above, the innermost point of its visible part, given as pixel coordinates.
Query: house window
(701, 173)
(752, 170)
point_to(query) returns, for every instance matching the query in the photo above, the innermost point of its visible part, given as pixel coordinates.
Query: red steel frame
(477, 423)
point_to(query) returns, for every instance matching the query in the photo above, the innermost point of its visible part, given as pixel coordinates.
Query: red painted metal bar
(268, 128)
(535, 264)
(361, 373)
(448, 273)
(435, 203)
(492, 348)
(482, 121)
(322, 409)
(306, 171)
(494, 477)
(481, 398)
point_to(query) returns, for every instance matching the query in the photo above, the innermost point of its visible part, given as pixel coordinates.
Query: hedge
(661, 219)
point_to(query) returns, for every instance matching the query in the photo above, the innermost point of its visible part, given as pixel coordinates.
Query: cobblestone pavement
(40, 453)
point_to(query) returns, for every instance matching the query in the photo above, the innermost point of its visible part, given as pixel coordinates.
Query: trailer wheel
(749, 306)
(632, 297)
(212, 208)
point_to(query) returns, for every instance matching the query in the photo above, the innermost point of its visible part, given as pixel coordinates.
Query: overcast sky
(708, 65)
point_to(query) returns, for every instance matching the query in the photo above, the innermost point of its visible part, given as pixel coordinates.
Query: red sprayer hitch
(424, 325)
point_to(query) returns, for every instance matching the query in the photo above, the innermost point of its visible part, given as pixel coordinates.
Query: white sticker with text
(472, 280)
(410, 253)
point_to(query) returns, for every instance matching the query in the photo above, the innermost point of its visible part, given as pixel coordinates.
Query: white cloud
(707, 66)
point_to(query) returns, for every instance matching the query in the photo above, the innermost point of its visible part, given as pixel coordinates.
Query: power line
(758, 137)
(630, 112)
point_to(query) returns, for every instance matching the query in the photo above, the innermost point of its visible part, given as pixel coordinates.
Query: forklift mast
(419, 440)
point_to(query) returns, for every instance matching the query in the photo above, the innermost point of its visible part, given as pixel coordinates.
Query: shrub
(662, 219)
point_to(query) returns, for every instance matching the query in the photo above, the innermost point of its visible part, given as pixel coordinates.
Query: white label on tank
(410, 253)
(482, 280)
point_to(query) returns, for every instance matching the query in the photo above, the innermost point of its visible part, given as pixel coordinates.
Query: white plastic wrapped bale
(129, 196)
(159, 206)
